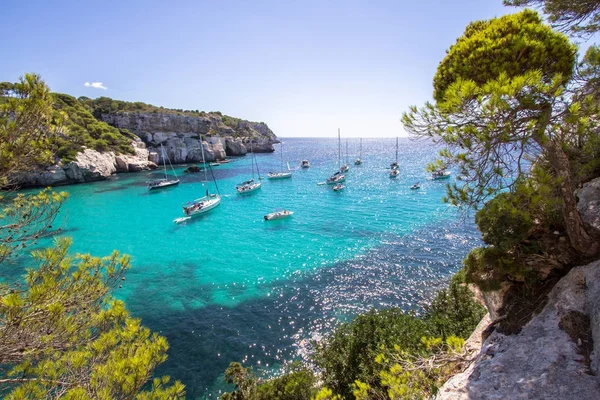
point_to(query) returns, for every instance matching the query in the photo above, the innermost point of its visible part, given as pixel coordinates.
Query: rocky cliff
(555, 356)
(180, 134)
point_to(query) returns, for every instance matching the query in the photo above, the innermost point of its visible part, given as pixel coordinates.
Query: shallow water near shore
(229, 286)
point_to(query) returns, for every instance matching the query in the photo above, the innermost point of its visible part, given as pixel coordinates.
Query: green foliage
(351, 352)
(406, 376)
(453, 312)
(511, 45)
(296, 384)
(63, 335)
(83, 129)
(580, 17)
(24, 219)
(28, 126)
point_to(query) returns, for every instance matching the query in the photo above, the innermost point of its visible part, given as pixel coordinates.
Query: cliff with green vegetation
(179, 131)
(96, 138)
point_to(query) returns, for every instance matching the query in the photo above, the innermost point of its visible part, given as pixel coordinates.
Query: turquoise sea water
(229, 286)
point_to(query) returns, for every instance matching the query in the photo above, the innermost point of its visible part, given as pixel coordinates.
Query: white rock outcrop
(555, 356)
(90, 165)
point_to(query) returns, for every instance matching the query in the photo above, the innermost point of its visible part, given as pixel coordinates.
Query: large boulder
(235, 147)
(555, 356)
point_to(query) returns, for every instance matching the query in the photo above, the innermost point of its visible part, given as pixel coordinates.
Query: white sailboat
(250, 185)
(394, 166)
(358, 160)
(345, 167)
(166, 181)
(282, 174)
(202, 204)
(338, 176)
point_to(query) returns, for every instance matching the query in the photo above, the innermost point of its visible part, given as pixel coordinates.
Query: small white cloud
(96, 85)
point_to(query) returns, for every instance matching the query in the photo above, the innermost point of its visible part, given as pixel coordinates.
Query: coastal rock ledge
(555, 356)
(89, 166)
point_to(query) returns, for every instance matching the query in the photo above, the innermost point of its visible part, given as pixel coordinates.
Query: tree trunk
(580, 239)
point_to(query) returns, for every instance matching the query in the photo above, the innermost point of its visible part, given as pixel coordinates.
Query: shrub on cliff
(81, 128)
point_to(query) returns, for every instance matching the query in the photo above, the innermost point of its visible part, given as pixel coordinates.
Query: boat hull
(248, 188)
(440, 177)
(278, 215)
(280, 175)
(202, 205)
(163, 184)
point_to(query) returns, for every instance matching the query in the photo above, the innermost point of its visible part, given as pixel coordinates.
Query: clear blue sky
(304, 67)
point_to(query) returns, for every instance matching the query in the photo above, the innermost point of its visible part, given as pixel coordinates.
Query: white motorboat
(338, 187)
(440, 174)
(394, 173)
(416, 186)
(166, 181)
(305, 164)
(278, 215)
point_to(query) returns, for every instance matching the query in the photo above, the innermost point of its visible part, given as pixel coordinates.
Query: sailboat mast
(204, 162)
(347, 151)
(162, 152)
(339, 150)
(360, 148)
(396, 149)
(252, 161)
(281, 149)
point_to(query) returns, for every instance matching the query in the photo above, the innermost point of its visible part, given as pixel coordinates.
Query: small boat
(225, 161)
(305, 164)
(394, 173)
(440, 174)
(166, 181)
(279, 175)
(278, 215)
(214, 164)
(358, 161)
(282, 174)
(416, 186)
(338, 187)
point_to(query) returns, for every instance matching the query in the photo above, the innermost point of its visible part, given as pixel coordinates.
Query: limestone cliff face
(180, 134)
(555, 356)
(90, 165)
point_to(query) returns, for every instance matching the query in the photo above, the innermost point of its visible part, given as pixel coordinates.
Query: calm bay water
(228, 286)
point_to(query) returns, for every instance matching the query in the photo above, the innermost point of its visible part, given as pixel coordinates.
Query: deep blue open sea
(229, 286)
